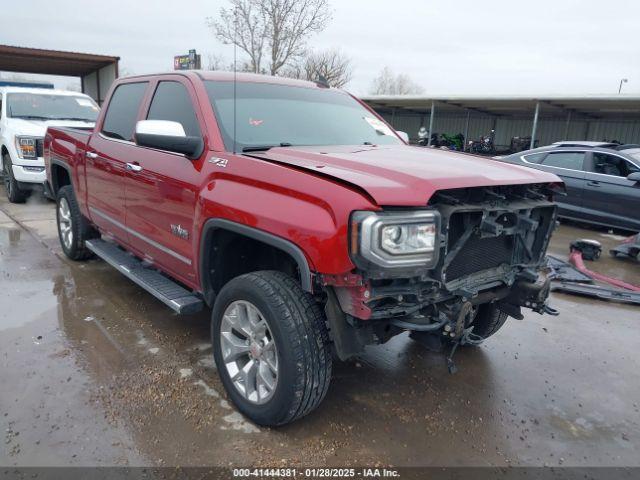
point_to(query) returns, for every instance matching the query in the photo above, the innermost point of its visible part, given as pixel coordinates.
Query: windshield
(280, 115)
(39, 106)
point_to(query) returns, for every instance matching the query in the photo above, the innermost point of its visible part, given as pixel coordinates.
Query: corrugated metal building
(588, 117)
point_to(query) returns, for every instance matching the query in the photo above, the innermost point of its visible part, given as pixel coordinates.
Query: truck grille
(491, 227)
(480, 254)
(40, 147)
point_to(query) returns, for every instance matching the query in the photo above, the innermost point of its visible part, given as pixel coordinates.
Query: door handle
(91, 155)
(593, 183)
(134, 167)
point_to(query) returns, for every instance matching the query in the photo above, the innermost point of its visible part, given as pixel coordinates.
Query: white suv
(25, 114)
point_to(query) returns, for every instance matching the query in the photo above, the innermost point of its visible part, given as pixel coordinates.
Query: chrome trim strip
(111, 139)
(153, 243)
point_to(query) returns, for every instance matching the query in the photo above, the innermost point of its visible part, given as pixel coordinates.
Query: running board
(164, 289)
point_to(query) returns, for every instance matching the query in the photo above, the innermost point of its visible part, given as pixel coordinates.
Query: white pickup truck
(25, 114)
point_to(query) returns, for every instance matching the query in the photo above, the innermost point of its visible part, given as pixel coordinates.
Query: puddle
(212, 392)
(25, 299)
(581, 427)
(207, 362)
(201, 347)
(10, 236)
(142, 341)
(237, 422)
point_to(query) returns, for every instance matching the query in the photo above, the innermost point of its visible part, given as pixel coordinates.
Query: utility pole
(535, 126)
(623, 80)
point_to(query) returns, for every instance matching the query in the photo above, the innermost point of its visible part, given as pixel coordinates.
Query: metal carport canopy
(589, 106)
(595, 106)
(96, 71)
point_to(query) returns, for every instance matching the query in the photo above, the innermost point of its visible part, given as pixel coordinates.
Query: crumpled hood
(37, 128)
(402, 174)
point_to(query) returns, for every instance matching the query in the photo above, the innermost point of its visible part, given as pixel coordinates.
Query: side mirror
(169, 136)
(403, 135)
(634, 177)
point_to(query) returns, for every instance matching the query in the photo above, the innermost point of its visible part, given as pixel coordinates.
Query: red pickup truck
(302, 219)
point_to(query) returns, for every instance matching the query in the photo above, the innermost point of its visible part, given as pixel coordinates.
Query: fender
(286, 246)
(63, 164)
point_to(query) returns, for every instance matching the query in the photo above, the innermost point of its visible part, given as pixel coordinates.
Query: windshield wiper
(76, 119)
(264, 148)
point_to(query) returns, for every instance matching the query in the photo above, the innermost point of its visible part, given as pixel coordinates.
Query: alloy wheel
(249, 351)
(64, 223)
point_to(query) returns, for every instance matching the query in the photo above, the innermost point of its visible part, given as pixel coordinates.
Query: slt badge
(179, 231)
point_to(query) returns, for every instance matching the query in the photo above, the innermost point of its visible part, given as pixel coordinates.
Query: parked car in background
(602, 180)
(25, 114)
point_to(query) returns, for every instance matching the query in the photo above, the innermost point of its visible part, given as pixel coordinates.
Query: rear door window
(613, 165)
(567, 160)
(172, 102)
(122, 112)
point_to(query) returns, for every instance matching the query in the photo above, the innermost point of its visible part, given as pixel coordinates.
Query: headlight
(407, 239)
(26, 147)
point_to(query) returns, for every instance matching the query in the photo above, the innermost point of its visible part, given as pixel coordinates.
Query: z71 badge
(219, 162)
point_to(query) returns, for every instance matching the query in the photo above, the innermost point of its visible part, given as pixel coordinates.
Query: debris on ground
(630, 247)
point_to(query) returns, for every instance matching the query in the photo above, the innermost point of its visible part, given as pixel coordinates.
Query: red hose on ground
(575, 258)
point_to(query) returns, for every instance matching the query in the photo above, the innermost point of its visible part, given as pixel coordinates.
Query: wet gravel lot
(95, 371)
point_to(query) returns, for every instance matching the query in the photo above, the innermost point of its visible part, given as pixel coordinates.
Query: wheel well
(228, 254)
(59, 177)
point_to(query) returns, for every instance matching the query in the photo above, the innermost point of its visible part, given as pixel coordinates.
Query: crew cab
(302, 219)
(25, 114)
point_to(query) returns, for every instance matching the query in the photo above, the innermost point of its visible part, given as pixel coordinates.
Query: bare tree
(273, 29)
(388, 83)
(243, 24)
(331, 64)
(217, 62)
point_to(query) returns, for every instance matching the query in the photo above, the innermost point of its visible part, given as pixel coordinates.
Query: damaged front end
(489, 247)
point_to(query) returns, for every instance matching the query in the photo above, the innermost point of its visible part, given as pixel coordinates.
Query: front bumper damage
(492, 250)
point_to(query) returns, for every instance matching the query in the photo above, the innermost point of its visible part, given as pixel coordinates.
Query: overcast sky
(449, 47)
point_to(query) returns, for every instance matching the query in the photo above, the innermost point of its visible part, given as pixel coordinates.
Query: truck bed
(64, 146)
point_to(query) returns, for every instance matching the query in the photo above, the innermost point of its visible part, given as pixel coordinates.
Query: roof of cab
(225, 76)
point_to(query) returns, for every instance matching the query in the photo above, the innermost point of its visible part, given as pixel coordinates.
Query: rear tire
(73, 228)
(14, 193)
(297, 345)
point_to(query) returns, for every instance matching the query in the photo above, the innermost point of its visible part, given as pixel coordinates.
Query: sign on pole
(191, 61)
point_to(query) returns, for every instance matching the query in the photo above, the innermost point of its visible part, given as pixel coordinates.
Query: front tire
(73, 228)
(14, 193)
(271, 347)
(488, 320)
